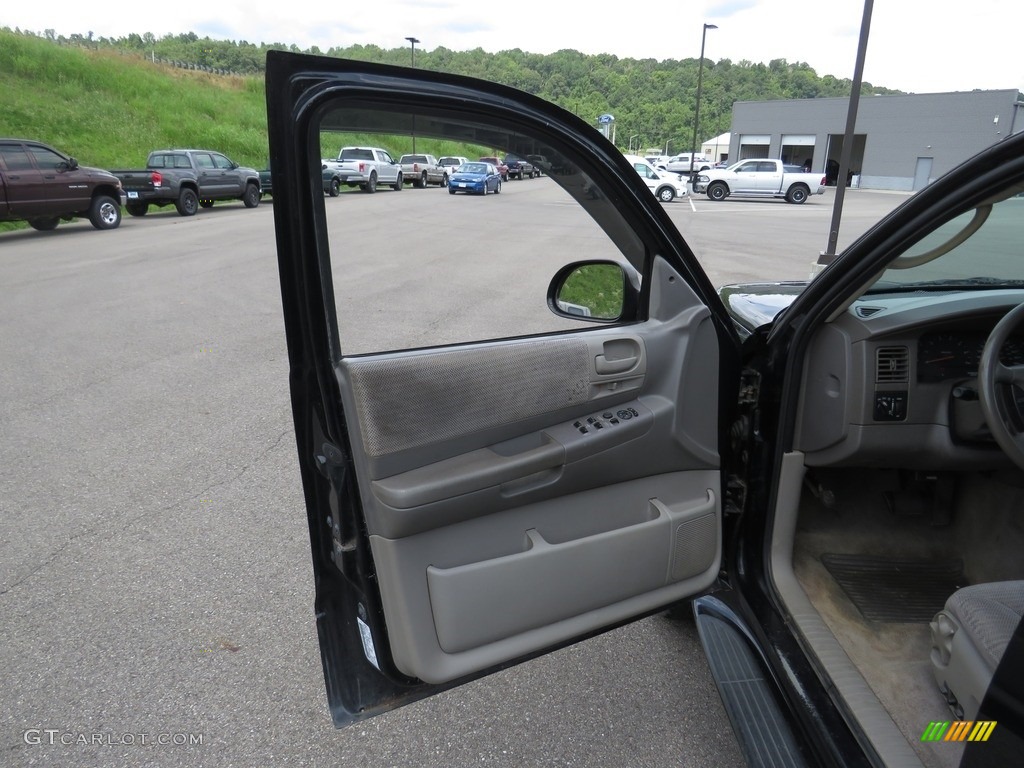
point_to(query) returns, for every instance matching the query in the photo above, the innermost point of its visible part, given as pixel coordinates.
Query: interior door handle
(620, 365)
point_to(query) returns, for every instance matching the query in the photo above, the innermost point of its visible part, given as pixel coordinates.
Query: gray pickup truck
(40, 185)
(188, 179)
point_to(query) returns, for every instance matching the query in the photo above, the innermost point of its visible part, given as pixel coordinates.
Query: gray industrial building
(900, 142)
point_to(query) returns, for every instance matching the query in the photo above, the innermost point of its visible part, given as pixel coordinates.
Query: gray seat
(969, 637)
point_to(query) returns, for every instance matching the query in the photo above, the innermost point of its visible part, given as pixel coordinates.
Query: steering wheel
(996, 383)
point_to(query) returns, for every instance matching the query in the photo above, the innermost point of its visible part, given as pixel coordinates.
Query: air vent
(867, 311)
(893, 365)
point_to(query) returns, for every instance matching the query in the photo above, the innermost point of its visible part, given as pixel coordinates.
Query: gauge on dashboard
(957, 354)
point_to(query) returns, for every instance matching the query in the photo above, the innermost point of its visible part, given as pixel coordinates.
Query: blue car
(479, 178)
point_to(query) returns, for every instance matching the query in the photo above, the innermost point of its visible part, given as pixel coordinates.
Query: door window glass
(16, 158)
(47, 159)
(458, 264)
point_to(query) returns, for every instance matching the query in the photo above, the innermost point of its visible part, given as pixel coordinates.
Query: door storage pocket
(487, 601)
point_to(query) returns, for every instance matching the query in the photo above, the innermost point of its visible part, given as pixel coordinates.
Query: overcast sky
(915, 46)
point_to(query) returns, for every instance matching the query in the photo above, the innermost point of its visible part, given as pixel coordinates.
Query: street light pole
(412, 63)
(412, 51)
(700, 79)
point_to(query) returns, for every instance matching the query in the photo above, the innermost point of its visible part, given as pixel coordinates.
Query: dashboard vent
(867, 311)
(892, 365)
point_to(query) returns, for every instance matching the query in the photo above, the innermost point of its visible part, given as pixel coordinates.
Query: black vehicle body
(331, 181)
(188, 179)
(417, 582)
(42, 186)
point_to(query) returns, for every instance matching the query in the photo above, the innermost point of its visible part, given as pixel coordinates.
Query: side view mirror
(71, 164)
(598, 291)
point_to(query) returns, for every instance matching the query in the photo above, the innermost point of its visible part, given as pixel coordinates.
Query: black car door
(490, 470)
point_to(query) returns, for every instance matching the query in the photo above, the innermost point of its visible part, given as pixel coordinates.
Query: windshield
(979, 249)
(472, 168)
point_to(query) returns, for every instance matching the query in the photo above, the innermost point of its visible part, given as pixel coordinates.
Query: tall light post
(412, 51)
(412, 63)
(696, 109)
(634, 136)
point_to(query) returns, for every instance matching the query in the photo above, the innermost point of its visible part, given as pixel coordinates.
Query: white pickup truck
(760, 177)
(366, 167)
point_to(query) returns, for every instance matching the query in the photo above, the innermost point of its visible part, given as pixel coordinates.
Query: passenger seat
(969, 637)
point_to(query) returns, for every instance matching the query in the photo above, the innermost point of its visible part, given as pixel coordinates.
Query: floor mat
(888, 590)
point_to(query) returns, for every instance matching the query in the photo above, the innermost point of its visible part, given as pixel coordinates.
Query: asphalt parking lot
(155, 582)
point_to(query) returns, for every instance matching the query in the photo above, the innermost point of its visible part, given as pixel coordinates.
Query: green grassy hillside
(110, 110)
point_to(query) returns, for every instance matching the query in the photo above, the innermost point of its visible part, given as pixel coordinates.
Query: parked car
(502, 168)
(366, 167)
(541, 165)
(665, 186)
(519, 168)
(188, 179)
(451, 163)
(478, 178)
(43, 186)
(681, 163)
(331, 178)
(423, 170)
(760, 177)
(816, 494)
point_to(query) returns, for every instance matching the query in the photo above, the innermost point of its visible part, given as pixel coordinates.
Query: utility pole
(412, 63)
(696, 111)
(829, 254)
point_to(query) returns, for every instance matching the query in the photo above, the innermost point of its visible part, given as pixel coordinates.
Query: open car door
(493, 466)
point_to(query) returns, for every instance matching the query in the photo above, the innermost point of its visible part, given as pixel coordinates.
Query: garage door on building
(798, 148)
(754, 145)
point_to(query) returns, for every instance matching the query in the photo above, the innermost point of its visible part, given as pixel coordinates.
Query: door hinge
(735, 495)
(330, 461)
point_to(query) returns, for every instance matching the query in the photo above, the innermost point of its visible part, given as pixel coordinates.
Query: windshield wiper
(950, 284)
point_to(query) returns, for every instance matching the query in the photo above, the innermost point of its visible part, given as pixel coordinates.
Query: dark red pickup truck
(40, 185)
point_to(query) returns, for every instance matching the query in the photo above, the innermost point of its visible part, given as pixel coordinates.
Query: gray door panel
(519, 493)
(477, 593)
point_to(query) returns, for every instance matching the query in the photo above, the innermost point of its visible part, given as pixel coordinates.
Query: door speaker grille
(693, 547)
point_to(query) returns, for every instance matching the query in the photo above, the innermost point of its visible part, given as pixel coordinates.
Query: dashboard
(892, 382)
